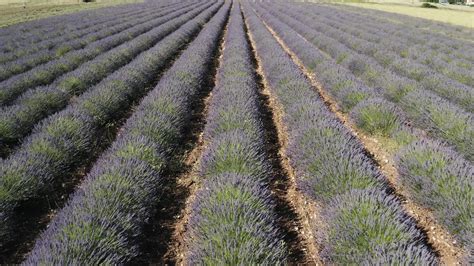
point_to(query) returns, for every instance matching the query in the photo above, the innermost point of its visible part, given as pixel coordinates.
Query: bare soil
(298, 213)
(171, 221)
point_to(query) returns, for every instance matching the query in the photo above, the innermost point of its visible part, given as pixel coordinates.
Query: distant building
(470, 2)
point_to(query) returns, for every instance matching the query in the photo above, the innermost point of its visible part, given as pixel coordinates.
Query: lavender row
(45, 25)
(441, 180)
(365, 224)
(434, 51)
(385, 32)
(44, 74)
(444, 176)
(56, 43)
(44, 55)
(426, 28)
(35, 30)
(426, 66)
(108, 214)
(440, 118)
(233, 219)
(18, 119)
(421, 31)
(423, 76)
(38, 31)
(66, 140)
(14, 48)
(365, 58)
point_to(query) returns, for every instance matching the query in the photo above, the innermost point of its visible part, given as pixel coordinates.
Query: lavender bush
(441, 180)
(233, 218)
(104, 220)
(330, 163)
(46, 73)
(373, 223)
(234, 223)
(378, 117)
(65, 140)
(20, 118)
(441, 119)
(45, 55)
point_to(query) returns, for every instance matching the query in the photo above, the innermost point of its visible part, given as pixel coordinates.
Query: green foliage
(234, 157)
(62, 50)
(442, 182)
(395, 91)
(368, 225)
(143, 152)
(332, 172)
(376, 118)
(72, 85)
(352, 98)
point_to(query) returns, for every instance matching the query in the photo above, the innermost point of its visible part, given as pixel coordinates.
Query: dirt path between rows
(439, 238)
(177, 247)
(298, 214)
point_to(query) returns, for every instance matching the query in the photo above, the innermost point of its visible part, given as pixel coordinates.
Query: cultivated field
(15, 11)
(453, 14)
(224, 132)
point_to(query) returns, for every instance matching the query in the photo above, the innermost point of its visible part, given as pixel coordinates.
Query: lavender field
(236, 132)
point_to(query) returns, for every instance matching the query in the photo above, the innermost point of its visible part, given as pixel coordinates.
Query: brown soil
(437, 236)
(175, 249)
(298, 214)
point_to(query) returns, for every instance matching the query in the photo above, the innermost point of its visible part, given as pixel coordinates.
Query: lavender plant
(330, 163)
(378, 117)
(442, 120)
(233, 218)
(104, 220)
(45, 55)
(45, 74)
(373, 223)
(65, 141)
(19, 119)
(441, 180)
(234, 223)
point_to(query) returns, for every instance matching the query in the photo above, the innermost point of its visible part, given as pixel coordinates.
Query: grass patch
(456, 17)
